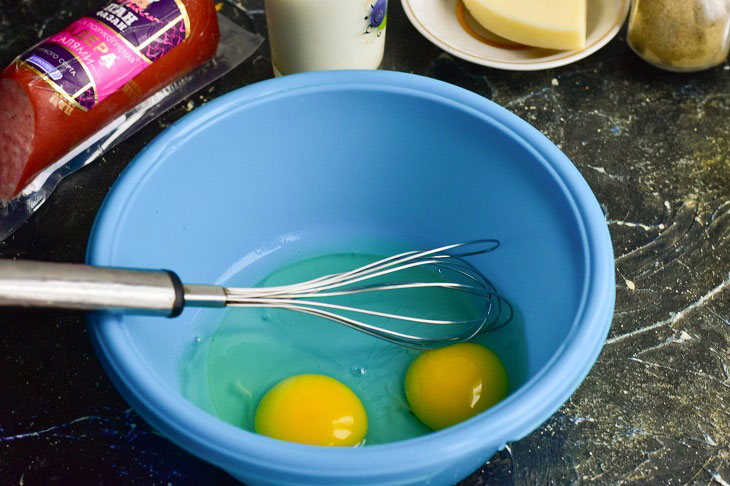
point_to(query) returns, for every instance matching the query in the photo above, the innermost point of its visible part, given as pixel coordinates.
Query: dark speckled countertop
(655, 148)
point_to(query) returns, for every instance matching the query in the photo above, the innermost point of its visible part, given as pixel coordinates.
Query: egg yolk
(448, 385)
(314, 410)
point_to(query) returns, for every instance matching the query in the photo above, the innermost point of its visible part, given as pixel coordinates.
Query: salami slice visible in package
(76, 94)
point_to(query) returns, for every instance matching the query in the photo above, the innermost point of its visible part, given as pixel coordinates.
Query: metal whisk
(74, 286)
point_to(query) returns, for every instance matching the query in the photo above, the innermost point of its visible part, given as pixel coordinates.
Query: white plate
(438, 21)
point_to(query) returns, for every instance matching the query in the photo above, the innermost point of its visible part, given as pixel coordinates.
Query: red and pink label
(96, 55)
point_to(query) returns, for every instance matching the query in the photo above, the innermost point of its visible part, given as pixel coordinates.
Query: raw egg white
(449, 385)
(314, 410)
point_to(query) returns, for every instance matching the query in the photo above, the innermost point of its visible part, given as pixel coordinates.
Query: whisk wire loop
(307, 296)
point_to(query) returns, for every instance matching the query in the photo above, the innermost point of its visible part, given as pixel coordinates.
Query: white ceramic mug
(311, 35)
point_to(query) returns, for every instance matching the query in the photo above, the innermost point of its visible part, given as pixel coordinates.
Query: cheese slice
(552, 24)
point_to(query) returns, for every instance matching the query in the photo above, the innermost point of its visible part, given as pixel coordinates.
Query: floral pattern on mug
(377, 17)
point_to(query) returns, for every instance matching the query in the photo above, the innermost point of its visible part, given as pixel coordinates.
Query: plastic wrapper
(236, 45)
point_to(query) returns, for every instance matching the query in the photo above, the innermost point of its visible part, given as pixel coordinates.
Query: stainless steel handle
(75, 286)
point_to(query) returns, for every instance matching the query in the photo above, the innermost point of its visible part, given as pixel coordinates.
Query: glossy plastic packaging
(70, 132)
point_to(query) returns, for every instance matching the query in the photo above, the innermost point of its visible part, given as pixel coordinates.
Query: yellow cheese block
(552, 24)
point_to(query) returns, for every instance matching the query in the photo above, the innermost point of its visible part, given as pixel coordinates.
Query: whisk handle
(75, 286)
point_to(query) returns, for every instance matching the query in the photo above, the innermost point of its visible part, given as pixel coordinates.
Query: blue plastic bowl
(284, 166)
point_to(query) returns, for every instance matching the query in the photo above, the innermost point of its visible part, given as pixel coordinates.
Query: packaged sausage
(74, 95)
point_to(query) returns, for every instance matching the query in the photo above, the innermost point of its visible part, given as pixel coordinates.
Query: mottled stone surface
(655, 148)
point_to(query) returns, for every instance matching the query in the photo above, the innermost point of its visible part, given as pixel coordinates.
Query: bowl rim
(229, 446)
